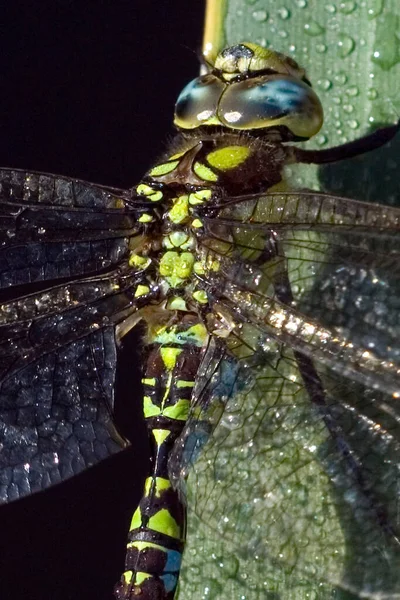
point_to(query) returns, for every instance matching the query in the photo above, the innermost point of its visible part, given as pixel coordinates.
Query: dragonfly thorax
(180, 192)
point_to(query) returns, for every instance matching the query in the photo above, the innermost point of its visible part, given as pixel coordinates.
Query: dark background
(87, 90)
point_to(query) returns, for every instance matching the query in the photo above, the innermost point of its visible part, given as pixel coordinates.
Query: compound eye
(270, 101)
(198, 101)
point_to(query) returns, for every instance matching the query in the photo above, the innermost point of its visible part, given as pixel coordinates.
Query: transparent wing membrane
(57, 349)
(53, 227)
(293, 497)
(296, 491)
(56, 415)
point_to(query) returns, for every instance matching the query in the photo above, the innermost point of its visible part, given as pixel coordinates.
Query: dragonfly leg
(374, 140)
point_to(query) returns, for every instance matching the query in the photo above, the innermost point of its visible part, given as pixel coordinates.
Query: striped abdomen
(158, 527)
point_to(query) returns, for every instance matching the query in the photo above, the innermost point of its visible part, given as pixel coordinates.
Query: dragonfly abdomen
(158, 527)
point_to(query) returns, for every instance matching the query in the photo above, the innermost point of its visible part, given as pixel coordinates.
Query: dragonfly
(265, 309)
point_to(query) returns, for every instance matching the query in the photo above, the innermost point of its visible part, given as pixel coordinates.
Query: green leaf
(351, 52)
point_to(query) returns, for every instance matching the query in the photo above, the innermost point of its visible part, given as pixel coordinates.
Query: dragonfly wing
(275, 497)
(297, 488)
(57, 325)
(43, 321)
(326, 282)
(53, 227)
(55, 415)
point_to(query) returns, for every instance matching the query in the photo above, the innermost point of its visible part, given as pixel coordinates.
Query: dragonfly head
(251, 89)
